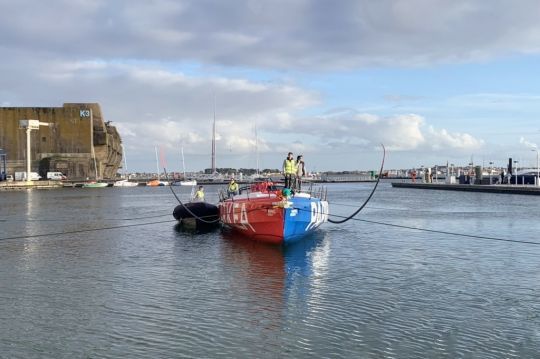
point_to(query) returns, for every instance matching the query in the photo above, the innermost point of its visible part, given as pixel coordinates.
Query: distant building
(66, 144)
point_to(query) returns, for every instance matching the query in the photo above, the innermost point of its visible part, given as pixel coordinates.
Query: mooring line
(370, 195)
(84, 230)
(186, 208)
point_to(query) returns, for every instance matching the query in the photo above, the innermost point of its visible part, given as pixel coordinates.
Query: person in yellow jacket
(289, 169)
(233, 188)
(199, 195)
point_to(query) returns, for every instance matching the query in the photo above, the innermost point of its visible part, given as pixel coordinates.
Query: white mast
(183, 162)
(214, 139)
(92, 143)
(257, 148)
(157, 163)
(125, 162)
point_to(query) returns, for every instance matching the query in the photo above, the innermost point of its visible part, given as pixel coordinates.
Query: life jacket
(233, 187)
(199, 194)
(289, 166)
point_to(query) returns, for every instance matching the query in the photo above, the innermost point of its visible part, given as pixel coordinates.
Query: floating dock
(23, 185)
(508, 189)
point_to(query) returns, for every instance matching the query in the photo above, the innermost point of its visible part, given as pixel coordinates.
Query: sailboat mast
(157, 163)
(257, 148)
(214, 140)
(183, 162)
(92, 144)
(125, 162)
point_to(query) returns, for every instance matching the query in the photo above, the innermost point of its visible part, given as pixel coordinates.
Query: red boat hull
(256, 218)
(270, 218)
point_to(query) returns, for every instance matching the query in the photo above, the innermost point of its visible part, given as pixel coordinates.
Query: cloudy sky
(434, 80)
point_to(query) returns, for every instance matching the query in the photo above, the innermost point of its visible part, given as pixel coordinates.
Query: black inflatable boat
(200, 216)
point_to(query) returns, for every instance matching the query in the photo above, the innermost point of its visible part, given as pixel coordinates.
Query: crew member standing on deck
(289, 169)
(199, 195)
(233, 188)
(300, 172)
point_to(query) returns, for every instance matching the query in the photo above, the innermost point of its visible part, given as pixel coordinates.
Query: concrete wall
(65, 145)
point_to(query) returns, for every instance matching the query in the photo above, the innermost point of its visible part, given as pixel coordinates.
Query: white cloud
(275, 34)
(153, 105)
(349, 130)
(443, 140)
(527, 144)
(134, 58)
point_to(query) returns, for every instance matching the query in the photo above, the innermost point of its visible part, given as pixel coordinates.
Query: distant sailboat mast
(157, 162)
(183, 162)
(125, 162)
(92, 144)
(257, 148)
(214, 140)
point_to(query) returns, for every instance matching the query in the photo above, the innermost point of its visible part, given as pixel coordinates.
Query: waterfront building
(77, 141)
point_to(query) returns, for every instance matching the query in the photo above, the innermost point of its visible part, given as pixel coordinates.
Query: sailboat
(157, 182)
(125, 182)
(268, 213)
(184, 182)
(94, 183)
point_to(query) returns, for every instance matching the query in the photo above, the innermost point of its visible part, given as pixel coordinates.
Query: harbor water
(116, 277)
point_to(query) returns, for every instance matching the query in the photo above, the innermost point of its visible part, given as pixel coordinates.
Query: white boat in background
(94, 184)
(188, 183)
(125, 182)
(185, 182)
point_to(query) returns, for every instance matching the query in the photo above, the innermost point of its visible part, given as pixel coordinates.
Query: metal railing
(315, 191)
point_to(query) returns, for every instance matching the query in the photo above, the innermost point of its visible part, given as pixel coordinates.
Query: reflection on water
(278, 272)
(183, 229)
(284, 281)
(305, 264)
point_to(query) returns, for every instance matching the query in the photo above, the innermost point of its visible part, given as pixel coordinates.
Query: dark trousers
(288, 180)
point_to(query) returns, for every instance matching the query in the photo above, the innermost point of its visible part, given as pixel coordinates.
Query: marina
(146, 287)
(307, 179)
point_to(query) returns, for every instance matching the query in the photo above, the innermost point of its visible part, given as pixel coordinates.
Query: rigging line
(370, 195)
(415, 210)
(67, 220)
(84, 230)
(185, 207)
(440, 232)
(370, 207)
(430, 230)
